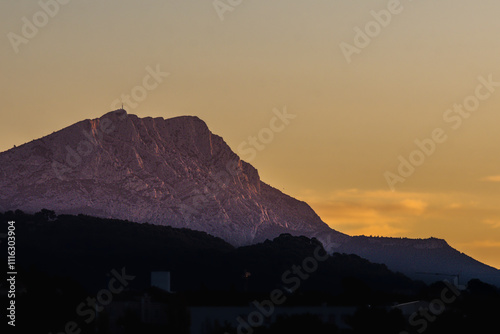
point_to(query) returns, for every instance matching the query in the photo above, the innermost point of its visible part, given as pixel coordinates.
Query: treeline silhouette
(63, 259)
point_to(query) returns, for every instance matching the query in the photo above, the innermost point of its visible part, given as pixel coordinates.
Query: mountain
(168, 172)
(426, 259)
(176, 172)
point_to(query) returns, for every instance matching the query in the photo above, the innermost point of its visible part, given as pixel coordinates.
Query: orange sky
(356, 112)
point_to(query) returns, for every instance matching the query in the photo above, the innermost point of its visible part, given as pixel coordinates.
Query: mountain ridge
(157, 170)
(174, 172)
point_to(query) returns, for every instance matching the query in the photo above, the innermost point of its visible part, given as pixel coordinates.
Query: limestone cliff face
(162, 171)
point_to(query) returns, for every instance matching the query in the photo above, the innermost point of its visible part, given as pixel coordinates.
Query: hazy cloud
(495, 223)
(493, 178)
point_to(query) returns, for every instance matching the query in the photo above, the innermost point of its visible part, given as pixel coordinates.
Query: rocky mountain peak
(163, 171)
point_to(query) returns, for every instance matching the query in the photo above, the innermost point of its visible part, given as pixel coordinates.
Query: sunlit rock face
(162, 171)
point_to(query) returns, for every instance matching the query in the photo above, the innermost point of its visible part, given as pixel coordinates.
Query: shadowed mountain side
(86, 248)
